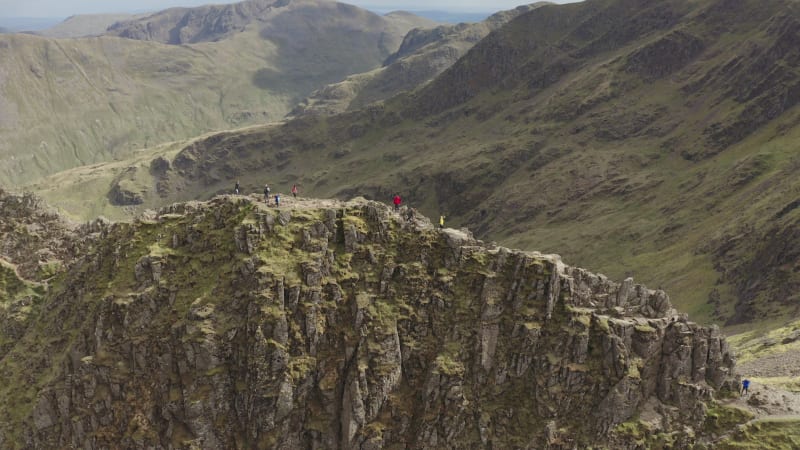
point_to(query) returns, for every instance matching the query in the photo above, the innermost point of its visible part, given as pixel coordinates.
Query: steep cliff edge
(325, 324)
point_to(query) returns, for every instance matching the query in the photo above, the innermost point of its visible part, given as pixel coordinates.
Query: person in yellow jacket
(441, 222)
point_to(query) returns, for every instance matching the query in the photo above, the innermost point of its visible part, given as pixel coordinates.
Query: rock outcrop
(339, 325)
(33, 237)
(36, 245)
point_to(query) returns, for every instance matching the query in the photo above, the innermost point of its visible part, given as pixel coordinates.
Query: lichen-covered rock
(35, 238)
(119, 195)
(233, 325)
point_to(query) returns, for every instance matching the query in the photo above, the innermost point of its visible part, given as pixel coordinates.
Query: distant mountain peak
(211, 23)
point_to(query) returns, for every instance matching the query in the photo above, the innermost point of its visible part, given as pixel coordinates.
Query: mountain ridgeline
(85, 25)
(291, 20)
(325, 324)
(661, 133)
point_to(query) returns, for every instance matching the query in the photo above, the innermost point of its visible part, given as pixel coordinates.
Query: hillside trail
(768, 402)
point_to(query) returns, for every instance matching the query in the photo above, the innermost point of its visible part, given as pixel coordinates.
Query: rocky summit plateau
(330, 324)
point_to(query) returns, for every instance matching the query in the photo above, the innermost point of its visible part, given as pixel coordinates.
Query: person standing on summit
(294, 190)
(397, 200)
(266, 194)
(236, 188)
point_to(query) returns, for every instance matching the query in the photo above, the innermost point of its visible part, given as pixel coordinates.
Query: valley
(646, 141)
(68, 103)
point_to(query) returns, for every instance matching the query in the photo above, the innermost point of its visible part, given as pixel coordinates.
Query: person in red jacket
(397, 201)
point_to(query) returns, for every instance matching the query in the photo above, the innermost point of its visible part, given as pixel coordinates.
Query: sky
(65, 8)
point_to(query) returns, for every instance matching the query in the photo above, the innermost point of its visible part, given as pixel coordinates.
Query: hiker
(266, 194)
(236, 188)
(277, 200)
(410, 214)
(441, 222)
(397, 200)
(745, 386)
(294, 190)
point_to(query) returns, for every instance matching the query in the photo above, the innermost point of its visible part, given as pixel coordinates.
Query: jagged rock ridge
(340, 325)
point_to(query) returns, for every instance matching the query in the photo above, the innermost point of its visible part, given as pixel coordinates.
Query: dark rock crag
(230, 325)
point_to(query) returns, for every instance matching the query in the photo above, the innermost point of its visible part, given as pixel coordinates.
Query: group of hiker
(267, 193)
(410, 213)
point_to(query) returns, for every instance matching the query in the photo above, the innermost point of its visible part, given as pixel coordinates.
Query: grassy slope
(772, 434)
(78, 102)
(65, 103)
(633, 138)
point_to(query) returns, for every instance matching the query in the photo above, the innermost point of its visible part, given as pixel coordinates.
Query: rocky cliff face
(339, 325)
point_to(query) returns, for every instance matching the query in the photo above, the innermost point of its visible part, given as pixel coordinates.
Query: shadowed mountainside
(637, 137)
(424, 54)
(65, 103)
